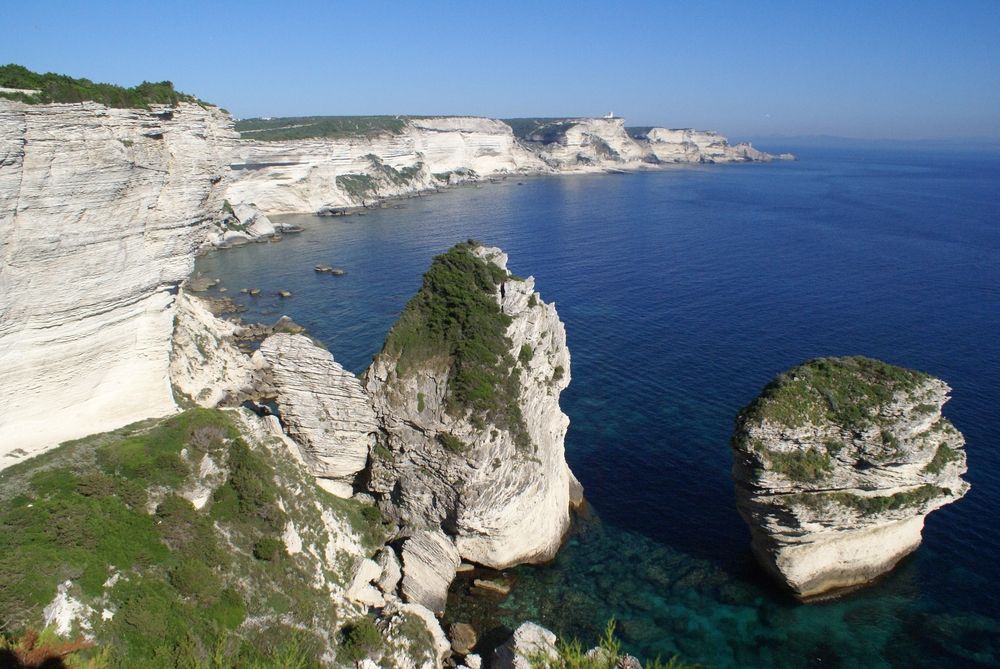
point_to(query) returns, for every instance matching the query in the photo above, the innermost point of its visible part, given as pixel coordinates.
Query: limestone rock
(501, 488)
(429, 563)
(392, 572)
(404, 649)
(323, 407)
(837, 463)
(205, 363)
(528, 642)
(360, 588)
(334, 175)
(101, 212)
(463, 638)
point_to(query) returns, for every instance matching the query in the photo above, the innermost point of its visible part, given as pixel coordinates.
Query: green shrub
(942, 456)
(420, 403)
(525, 355)
(455, 316)
(358, 640)
(452, 443)
(60, 88)
(269, 549)
(573, 655)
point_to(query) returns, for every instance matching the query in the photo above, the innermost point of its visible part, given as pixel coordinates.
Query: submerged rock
(837, 463)
(467, 389)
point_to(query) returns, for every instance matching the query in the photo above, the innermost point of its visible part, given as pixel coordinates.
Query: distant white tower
(610, 115)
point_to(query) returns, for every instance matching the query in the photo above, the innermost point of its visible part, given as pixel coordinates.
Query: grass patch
(801, 465)
(942, 456)
(303, 127)
(847, 391)
(866, 505)
(180, 580)
(574, 655)
(358, 186)
(455, 315)
(53, 87)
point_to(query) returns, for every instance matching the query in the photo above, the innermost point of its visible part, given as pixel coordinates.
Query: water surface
(684, 292)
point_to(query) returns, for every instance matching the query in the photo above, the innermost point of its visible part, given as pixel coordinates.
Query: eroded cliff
(101, 211)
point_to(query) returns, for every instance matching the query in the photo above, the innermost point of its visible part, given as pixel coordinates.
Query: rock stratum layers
(101, 211)
(837, 463)
(467, 392)
(329, 174)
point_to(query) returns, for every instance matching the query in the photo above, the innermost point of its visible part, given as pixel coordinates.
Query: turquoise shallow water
(683, 293)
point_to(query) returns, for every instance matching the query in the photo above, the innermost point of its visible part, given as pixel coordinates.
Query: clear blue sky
(875, 68)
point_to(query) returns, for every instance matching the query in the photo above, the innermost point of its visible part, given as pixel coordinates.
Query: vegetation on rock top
(307, 127)
(846, 391)
(455, 315)
(53, 87)
(546, 130)
(106, 516)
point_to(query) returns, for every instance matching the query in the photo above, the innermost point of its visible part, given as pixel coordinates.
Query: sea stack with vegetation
(837, 463)
(467, 390)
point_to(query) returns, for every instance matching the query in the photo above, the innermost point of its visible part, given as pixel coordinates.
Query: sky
(889, 69)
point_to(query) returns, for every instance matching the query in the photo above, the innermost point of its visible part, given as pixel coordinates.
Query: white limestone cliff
(332, 174)
(101, 211)
(837, 464)
(311, 175)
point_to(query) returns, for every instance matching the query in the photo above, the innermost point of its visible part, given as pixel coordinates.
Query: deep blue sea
(684, 292)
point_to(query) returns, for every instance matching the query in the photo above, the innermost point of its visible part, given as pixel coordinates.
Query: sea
(684, 291)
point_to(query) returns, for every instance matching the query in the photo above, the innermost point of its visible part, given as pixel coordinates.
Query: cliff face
(472, 442)
(101, 211)
(314, 175)
(837, 464)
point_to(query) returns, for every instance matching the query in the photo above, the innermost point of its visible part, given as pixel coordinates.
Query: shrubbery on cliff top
(455, 316)
(54, 87)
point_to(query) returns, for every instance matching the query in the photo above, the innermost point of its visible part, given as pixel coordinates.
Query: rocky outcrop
(323, 407)
(101, 211)
(837, 463)
(529, 643)
(205, 363)
(312, 175)
(333, 174)
(467, 391)
(699, 146)
(430, 561)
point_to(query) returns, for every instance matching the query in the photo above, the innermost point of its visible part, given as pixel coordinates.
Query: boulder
(463, 638)
(392, 572)
(324, 408)
(528, 642)
(836, 465)
(429, 563)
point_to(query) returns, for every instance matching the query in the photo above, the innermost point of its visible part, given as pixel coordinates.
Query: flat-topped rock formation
(837, 463)
(101, 212)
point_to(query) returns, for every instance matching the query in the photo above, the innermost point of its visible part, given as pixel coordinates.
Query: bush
(455, 315)
(359, 639)
(269, 549)
(60, 88)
